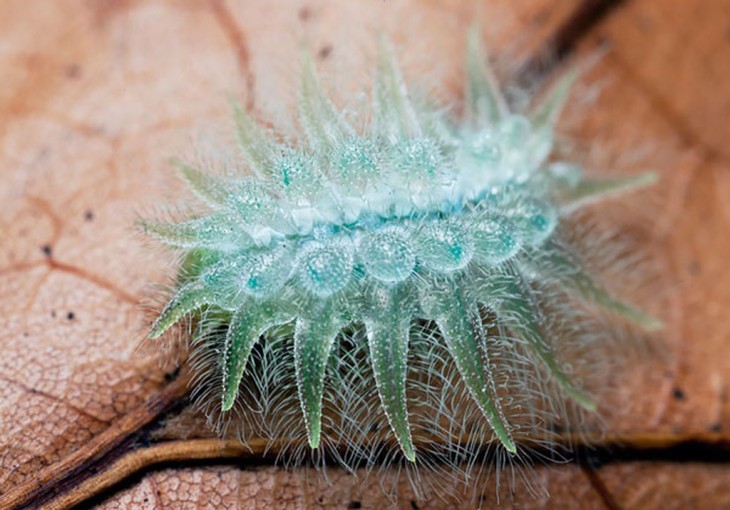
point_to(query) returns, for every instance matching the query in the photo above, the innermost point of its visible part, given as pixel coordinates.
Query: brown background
(95, 96)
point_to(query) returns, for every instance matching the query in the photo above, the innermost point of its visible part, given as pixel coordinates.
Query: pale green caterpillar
(404, 280)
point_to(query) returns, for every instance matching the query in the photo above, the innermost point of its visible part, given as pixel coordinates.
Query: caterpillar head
(417, 217)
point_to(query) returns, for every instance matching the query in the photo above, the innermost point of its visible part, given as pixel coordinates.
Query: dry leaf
(97, 95)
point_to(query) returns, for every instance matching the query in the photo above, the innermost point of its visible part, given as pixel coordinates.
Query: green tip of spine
(227, 402)
(409, 452)
(313, 438)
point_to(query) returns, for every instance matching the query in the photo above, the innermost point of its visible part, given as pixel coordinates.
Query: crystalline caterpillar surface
(421, 232)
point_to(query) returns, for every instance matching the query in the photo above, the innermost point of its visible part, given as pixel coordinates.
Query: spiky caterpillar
(416, 238)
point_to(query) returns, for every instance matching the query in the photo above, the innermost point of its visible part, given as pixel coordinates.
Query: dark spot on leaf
(89, 215)
(53, 313)
(693, 268)
(72, 71)
(541, 17)
(47, 250)
(305, 13)
(70, 316)
(325, 51)
(717, 427)
(354, 504)
(678, 394)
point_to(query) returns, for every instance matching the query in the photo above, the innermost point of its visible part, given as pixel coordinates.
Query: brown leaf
(98, 95)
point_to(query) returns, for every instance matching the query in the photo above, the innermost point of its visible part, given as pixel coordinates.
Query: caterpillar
(399, 280)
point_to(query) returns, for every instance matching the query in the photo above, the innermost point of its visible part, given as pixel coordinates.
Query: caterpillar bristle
(545, 114)
(387, 323)
(188, 299)
(398, 292)
(314, 338)
(319, 120)
(252, 143)
(588, 192)
(486, 104)
(457, 322)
